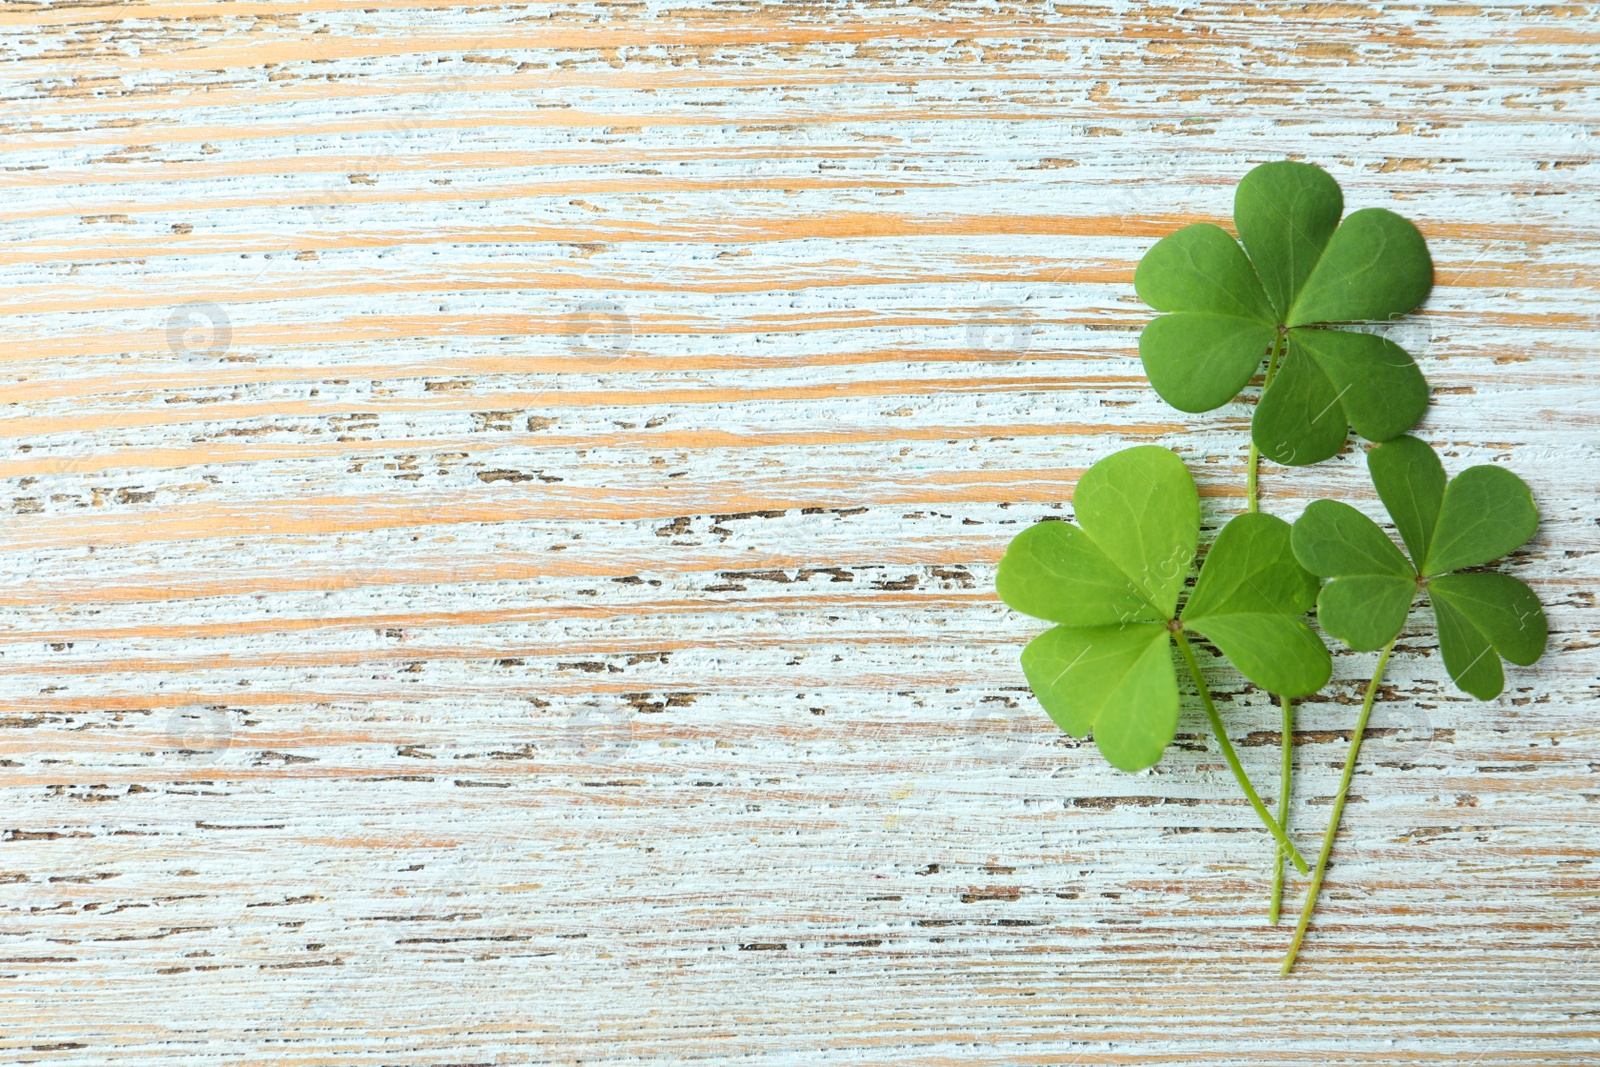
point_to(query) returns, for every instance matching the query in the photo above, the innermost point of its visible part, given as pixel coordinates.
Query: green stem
(1252, 493)
(1338, 810)
(1285, 775)
(1252, 497)
(1232, 757)
(1279, 347)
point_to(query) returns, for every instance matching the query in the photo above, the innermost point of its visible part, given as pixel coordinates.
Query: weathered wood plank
(501, 512)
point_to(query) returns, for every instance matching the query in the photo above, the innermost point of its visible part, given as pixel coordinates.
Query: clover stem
(1285, 775)
(1338, 809)
(1279, 343)
(1232, 757)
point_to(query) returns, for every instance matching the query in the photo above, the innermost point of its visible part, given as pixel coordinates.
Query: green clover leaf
(1447, 526)
(1300, 268)
(1112, 582)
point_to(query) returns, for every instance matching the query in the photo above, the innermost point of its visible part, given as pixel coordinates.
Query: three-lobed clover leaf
(1478, 516)
(1112, 583)
(1300, 268)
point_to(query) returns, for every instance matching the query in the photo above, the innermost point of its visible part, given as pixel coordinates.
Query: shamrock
(1112, 583)
(1480, 515)
(1300, 269)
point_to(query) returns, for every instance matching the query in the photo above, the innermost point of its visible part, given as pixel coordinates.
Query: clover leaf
(1448, 527)
(1299, 270)
(1112, 582)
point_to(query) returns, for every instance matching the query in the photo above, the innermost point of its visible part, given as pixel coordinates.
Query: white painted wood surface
(502, 510)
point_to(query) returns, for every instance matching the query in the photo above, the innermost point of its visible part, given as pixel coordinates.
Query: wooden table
(503, 506)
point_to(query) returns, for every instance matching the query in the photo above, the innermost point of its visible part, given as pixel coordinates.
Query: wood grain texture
(501, 512)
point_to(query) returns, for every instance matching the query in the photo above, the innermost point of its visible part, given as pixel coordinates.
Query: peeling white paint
(501, 521)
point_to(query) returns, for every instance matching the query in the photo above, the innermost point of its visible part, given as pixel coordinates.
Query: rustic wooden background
(502, 505)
